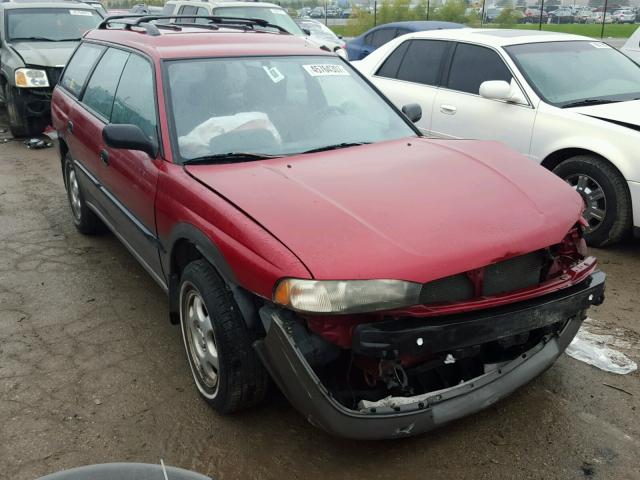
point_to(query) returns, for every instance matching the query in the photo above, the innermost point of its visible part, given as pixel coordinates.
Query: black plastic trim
(389, 339)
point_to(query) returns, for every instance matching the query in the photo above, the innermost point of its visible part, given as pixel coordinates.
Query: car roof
(420, 25)
(65, 4)
(192, 42)
(497, 37)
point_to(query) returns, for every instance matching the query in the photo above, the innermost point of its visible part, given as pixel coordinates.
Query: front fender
(556, 131)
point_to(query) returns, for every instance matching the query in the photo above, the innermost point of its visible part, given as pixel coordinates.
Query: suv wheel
(16, 113)
(605, 194)
(85, 220)
(219, 345)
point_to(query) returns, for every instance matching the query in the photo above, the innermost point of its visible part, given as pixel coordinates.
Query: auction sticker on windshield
(82, 13)
(600, 45)
(324, 70)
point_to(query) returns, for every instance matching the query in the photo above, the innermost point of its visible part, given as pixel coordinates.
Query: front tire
(606, 196)
(219, 344)
(84, 219)
(19, 122)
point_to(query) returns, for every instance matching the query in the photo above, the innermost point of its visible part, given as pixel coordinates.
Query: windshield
(564, 73)
(275, 106)
(273, 15)
(50, 24)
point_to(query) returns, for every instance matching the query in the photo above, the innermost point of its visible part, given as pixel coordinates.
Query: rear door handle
(70, 126)
(448, 109)
(104, 156)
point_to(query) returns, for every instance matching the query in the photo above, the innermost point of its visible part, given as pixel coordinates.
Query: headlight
(29, 77)
(345, 296)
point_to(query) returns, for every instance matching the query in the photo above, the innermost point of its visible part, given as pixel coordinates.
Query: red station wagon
(304, 230)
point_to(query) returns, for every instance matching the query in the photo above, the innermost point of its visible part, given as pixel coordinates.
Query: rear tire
(84, 219)
(606, 195)
(219, 345)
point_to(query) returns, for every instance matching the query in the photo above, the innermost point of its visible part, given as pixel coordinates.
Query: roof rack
(144, 21)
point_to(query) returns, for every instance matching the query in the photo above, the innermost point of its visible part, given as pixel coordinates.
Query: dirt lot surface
(92, 371)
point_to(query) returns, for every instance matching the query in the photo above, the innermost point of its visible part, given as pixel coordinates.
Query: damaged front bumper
(305, 391)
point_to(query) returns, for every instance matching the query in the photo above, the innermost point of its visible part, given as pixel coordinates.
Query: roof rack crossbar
(144, 21)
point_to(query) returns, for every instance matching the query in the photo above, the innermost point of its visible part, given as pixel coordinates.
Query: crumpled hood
(45, 54)
(412, 209)
(622, 112)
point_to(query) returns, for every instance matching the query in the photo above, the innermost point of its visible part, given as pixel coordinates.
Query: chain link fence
(593, 18)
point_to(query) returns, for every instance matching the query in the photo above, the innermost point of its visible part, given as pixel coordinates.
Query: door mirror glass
(306, 31)
(413, 111)
(501, 90)
(129, 137)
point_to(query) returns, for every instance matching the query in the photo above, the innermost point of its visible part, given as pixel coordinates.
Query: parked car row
(564, 15)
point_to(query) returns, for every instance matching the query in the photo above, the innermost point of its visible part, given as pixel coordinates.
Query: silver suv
(36, 40)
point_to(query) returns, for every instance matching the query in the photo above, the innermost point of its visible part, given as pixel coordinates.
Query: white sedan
(566, 101)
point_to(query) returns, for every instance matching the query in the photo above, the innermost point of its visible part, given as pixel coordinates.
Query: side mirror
(307, 32)
(501, 90)
(340, 37)
(129, 137)
(413, 111)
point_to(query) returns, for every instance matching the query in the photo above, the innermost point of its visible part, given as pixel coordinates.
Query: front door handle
(448, 109)
(104, 156)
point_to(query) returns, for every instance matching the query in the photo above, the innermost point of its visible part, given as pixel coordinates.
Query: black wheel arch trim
(212, 254)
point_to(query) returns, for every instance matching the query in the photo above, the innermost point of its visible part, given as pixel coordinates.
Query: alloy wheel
(594, 199)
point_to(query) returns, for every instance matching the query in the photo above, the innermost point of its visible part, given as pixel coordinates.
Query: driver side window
(472, 65)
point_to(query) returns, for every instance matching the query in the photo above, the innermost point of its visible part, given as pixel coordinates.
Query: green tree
(452, 11)
(508, 16)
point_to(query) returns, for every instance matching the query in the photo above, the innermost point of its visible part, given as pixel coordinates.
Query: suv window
(382, 36)
(472, 65)
(187, 10)
(103, 82)
(79, 67)
(390, 66)
(422, 61)
(135, 101)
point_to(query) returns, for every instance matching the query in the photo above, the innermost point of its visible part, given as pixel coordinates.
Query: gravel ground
(92, 371)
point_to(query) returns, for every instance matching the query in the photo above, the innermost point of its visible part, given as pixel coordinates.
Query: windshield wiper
(589, 101)
(228, 158)
(33, 39)
(336, 146)
(44, 39)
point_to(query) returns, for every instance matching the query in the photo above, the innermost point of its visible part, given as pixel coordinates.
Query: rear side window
(101, 88)
(202, 12)
(391, 65)
(472, 65)
(382, 36)
(422, 62)
(135, 100)
(79, 67)
(187, 10)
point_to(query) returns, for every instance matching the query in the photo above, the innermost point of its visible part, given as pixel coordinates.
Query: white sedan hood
(622, 113)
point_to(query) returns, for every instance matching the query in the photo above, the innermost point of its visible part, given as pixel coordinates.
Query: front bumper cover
(306, 392)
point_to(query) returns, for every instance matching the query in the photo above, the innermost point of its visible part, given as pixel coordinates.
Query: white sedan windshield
(275, 106)
(567, 73)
